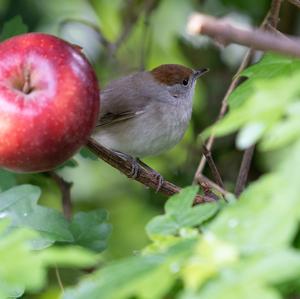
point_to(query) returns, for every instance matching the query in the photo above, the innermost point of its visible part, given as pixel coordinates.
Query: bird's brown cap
(171, 74)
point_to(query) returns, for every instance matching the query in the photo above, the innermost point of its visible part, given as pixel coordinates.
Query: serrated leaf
(181, 201)
(14, 26)
(17, 194)
(20, 205)
(90, 229)
(56, 228)
(180, 213)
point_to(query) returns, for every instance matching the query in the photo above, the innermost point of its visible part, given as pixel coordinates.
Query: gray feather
(120, 101)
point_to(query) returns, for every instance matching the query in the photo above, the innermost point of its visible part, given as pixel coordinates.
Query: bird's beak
(198, 73)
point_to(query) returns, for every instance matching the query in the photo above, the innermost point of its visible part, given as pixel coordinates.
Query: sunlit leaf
(180, 213)
(23, 268)
(134, 276)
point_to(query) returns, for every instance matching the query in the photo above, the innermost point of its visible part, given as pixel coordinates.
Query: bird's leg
(136, 163)
(159, 177)
(135, 166)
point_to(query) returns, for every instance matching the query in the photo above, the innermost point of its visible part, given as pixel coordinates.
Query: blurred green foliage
(247, 248)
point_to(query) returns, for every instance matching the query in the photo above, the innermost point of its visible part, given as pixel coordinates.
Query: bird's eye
(185, 82)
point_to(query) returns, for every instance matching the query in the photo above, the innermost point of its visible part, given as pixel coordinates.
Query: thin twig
(102, 39)
(274, 13)
(295, 2)
(57, 274)
(212, 166)
(65, 189)
(144, 176)
(234, 83)
(244, 170)
(212, 185)
(225, 33)
(224, 105)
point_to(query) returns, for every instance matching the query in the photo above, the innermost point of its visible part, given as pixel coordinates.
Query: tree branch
(102, 39)
(144, 176)
(244, 170)
(225, 33)
(295, 2)
(234, 83)
(216, 175)
(224, 105)
(274, 13)
(212, 185)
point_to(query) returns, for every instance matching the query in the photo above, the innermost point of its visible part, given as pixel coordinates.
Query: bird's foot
(159, 178)
(134, 164)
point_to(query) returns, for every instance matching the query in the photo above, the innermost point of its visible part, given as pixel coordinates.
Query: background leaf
(90, 229)
(14, 26)
(180, 213)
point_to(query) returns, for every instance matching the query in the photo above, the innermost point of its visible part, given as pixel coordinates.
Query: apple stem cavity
(27, 88)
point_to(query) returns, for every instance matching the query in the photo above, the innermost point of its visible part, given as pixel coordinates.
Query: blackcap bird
(146, 113)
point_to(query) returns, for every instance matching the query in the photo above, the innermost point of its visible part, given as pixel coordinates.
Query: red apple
(49, 101)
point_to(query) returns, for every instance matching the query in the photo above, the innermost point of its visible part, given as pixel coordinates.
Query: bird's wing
(120, 100)
(111, 118)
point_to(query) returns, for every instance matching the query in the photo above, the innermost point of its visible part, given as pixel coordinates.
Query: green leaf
(144, 277)
(7, 179)
(86, 153)
(281, 134)
(19, 194)
(247, 223)
(180, 213)
(269, 67)
(232, 289)
(273, 65)
(14, 26)
(249, 135)
(265, 268)
(20, 205)
(69, 163)
(90, 229)
(23, 268)
(266, 105)
(68, 256)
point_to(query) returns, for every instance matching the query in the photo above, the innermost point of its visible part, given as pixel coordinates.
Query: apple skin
(49, 102)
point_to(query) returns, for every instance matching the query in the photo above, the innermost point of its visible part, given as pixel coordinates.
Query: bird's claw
(134, 169)
(160, 181)
(158, 176)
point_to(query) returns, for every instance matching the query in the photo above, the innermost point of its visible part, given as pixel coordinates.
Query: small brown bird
(146, 113)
